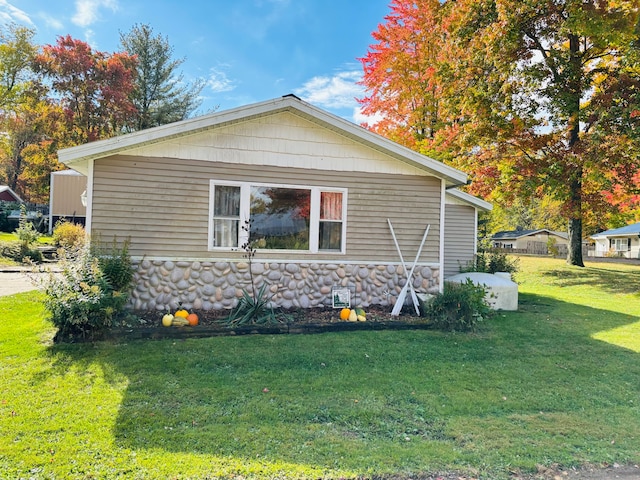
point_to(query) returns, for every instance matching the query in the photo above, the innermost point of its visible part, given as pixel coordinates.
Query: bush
(27, 237)
(460, 307)
(115, 262)
(492, 262)
(82, 299)
(11, 250)
(69, 236)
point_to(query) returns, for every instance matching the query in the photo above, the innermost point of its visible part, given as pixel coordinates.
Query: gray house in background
(183, 192)
(531, 241)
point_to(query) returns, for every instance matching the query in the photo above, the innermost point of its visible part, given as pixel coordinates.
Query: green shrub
(115, 262)
(11, 250)
(27, 238)
(492, 262)
(460, 307)
(69, 236)
(82, 300)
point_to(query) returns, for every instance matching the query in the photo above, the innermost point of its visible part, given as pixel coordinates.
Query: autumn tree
(524, 82)
(547, 61)
(160, 93)
(25, 115)
(92, 87)
(17, 51)
(404, 92)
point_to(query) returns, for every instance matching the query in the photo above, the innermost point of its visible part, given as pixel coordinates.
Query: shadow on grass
(384, 401)
(602, 278)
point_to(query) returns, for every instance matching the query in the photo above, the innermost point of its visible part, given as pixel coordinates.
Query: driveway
(17, 280)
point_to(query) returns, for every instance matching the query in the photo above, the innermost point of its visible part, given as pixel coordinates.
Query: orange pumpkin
(181, 313)
(344, 314)
(193, 319)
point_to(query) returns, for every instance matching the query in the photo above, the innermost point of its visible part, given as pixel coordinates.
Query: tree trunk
(574, 251)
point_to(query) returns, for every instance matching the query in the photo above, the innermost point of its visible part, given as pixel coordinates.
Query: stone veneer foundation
(218, 285)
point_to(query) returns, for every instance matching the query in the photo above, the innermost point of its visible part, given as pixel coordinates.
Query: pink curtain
(330, 206)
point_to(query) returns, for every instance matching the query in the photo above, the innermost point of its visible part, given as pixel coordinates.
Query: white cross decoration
(409, 284)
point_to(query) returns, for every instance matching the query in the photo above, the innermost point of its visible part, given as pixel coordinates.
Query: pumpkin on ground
(167, 320)
(193, 319)
(344, 314)
(181, 313)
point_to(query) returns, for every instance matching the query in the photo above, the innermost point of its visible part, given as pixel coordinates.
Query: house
(8, 195)
(619, 242)
(533, 241)
(461, 229)
(322, 188)
(65, 197)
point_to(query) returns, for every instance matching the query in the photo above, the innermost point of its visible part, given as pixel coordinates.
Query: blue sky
(246, 50)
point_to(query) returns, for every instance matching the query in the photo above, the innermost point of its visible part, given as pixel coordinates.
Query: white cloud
(51, 22)
(337, 91)
(87, 11)
(367, 120)
(218, 81)
(11, 14)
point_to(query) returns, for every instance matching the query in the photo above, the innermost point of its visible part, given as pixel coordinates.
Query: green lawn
(557, 382)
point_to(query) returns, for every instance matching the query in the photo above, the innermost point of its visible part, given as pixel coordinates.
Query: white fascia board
(470, 199)
(77, 157)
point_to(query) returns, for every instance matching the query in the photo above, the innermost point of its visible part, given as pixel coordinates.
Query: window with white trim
(283, 217)
(621, 244)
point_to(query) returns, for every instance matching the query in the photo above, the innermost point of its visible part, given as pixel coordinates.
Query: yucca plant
(253, 309)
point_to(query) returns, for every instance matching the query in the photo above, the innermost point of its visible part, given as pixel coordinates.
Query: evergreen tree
(160, 95)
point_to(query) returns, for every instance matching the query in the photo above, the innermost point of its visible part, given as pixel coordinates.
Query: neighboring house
(534, 241)
(65, 197)
(460, 241)
(8, 195)
(321, 189)
(619, 242)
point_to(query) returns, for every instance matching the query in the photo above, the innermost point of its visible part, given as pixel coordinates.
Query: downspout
(443, 190)
(89, 208)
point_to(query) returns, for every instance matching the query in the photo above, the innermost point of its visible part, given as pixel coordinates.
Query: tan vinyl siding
(65, 201)
(459, 237)
(162, 204)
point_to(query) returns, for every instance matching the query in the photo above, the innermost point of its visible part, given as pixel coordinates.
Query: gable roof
(5, 188)
(470, 199)
(515, 234)
(628, 230)
(78, 157)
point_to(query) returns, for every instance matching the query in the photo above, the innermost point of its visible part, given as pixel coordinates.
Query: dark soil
(299, 316)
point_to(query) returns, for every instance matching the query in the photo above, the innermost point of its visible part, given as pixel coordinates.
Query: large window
(621, 244)
(282, 217)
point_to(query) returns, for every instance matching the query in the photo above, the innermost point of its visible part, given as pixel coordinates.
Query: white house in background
(619, 242)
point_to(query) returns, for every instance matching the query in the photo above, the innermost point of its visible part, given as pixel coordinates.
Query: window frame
(623, 242)
(245, 206)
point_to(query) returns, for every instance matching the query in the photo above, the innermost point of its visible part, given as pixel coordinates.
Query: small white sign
(341, 297)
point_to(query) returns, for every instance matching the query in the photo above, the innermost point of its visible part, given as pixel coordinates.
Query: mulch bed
(297, 321)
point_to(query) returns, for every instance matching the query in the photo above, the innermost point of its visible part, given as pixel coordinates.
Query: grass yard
(556, 383)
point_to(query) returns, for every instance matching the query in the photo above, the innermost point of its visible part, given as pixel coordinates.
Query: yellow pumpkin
(344, 314)
(167, 320)
(181, 313)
